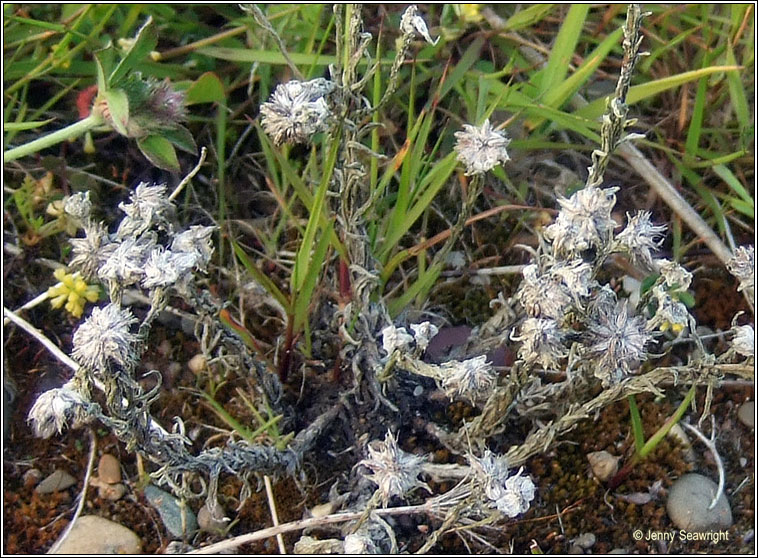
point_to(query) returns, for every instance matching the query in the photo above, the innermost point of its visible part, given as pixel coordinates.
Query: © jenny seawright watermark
(680, 535)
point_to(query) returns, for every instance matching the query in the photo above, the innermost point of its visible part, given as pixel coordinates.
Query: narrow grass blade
(564, 47)
(636, 420)
(596, 108)
(260, 277)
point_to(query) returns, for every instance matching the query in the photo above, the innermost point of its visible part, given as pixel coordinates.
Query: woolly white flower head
(78, 206)
(395, 338)
(674, 275)
(412, 23)
(196, 241)
(542, 342)
(481, 149)
(423, 333)
(509, 494)
(296, 111)
(165, 268)
(742, 266)
(104, 337)
(54, 409)
(393, 470)
(542, 294)
(92, 251)
(584, 221)
(472, 379)
(615, 340)
(125, 265)
(149, 207)
(640, 237)
(670, 313)
(743, 341)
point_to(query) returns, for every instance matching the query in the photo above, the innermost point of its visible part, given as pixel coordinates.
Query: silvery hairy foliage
(148, 252)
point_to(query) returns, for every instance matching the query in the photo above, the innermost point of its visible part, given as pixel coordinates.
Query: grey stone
(55, 482)
(688, 502)
(586, 540)
(94, 535)
(603, 464)
(746, 414)
(207, 522)
(171, 511)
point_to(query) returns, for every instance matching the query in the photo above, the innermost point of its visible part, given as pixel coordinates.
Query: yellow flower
(675, 328)
(469, 13)
(72, 291)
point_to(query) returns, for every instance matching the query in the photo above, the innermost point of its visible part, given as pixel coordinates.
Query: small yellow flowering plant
(73, 291)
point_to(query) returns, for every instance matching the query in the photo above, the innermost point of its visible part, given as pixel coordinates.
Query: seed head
(126, 264)
(674, 275)
(640, 238)
(196, 242)
(92, 251)
(105, 338)
(615, 340)
(395, 338)
(149, 208)
(395, 471)
(54, 409)
(743, 341)
(742, 266)
(584, 222)
(509, 494)
(423, 333)
(472, 379)
(481, 149)
(542, 342)
(78, 206)
(296, 111)
(165, 268)
(543, 294)
(411, 23)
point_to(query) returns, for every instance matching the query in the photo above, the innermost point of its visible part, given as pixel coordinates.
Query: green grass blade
(636, 420)
(728, 176)
(564, 47)
(527, 17)
(261, 277)
(303, 300)
(737, 91)
(21, 126)
(438, 176)
(637, 93)
(301, 268)
(696, 121)
(424, 282)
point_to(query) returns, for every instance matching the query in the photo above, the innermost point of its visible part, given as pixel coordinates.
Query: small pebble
(197, 363)
(57, 481)
(32, 477)
(109, 469)
(164, 348)
(111, 492)
(417, 391)
(688, 502)
(746, 414)
(94, 535)
(603, 464)
(207, 522)
(171, 511)
(586, 540)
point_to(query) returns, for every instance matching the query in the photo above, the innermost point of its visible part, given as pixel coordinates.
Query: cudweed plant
(561, 320)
